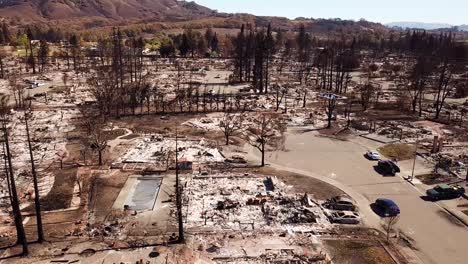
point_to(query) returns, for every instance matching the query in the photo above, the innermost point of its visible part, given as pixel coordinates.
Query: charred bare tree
(2, 64)
(330, 102)
(31, 59)
(43, 54)
(97, 139)
(180, 220)
(104, 88)
(367, 93)
(231, 125)
(443, 87)
(37, 202)
(267, 130)
(18, 219)
(74, 43)
(419, 77)
(279, 93)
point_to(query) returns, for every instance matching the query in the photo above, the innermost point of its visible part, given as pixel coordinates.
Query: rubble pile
(239, 202)
(254, 247)
(155, 150)
(407, 130)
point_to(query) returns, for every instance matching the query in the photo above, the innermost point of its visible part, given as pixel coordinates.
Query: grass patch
(398, 151)
(357, 252)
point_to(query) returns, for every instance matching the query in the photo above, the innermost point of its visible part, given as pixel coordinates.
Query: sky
(431, 11)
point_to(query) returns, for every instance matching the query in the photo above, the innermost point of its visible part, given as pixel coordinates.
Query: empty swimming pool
(143, 194)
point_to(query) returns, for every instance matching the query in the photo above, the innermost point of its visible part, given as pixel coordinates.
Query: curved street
(437, 236)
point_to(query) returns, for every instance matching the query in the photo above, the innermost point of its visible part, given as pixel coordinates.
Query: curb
(459, 218)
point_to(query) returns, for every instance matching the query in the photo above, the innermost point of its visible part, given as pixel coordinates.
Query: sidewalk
(452, 208)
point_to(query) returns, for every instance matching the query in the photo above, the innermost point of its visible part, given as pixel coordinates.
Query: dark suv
(388, 167)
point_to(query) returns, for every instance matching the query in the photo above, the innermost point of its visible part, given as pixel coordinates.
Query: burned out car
(345, 217)
(341, 203)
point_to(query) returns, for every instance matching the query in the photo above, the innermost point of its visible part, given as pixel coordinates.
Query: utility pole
(21, 235)
(179, 196)
(40, 232)
(414, 159)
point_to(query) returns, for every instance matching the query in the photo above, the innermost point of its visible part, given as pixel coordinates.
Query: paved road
(438, 236)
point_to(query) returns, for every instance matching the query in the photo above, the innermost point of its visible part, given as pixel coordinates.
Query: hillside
(156, 15)
(49, 10)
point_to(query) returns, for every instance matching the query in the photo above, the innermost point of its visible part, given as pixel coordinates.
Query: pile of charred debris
(248, 202)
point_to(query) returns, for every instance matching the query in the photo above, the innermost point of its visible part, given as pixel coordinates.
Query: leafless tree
(419, 78)
(37, 203)
(279, 93)
(104, 89)
(443, 87)
(231, 125)
(389, 224)
(18, 219)
(368, 93)
(3, 56)
(17, 90)
(96, 137)
(268, 129)
(329, 102)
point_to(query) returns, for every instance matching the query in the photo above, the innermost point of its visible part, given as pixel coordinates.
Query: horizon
(417, 11)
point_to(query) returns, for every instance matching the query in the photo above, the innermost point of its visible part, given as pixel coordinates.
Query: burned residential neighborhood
(168, 132)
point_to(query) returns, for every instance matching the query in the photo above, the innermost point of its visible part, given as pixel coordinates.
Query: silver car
(373, 155)
(345, 217)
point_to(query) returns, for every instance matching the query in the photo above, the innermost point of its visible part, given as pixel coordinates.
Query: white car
(373, 155)
(345, 217)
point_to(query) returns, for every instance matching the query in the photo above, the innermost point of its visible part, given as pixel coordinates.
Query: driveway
(439, 237)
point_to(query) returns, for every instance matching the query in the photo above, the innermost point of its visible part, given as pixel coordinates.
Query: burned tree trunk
(21, 235)
(37, 203)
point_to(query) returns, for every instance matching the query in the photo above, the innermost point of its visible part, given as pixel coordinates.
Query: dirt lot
(434, 178)
(105, 191)
(357, 252)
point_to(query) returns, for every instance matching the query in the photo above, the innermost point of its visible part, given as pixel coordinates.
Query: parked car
(345, 217)
(340, 203)
(444, 191)
(388, 167)
(373, 155)
(387, 207)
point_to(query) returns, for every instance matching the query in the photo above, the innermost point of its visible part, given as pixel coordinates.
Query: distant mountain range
(426, 26)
